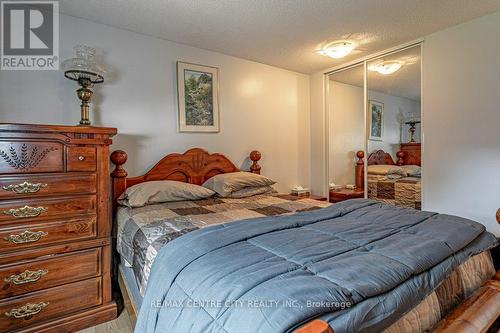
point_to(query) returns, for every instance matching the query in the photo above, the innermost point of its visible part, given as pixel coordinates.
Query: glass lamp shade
(386, 67)
(338, 49)
(83, 67)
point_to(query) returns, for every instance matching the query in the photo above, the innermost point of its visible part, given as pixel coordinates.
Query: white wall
(461, 125)
(393, 133)
(261, 107)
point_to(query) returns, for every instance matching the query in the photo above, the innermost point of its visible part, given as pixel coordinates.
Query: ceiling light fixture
(386, 67)
(337, 49)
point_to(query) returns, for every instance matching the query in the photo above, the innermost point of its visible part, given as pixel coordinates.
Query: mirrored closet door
(393, 114)
(346, 122)
(374, 134)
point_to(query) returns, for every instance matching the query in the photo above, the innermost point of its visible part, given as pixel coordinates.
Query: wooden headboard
(194, 166)
(376, 157)
(380, 157)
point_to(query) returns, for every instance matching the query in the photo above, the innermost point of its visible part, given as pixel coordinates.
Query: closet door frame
(326, 114)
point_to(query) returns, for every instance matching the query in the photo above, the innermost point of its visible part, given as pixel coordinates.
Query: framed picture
(376, 111)
(198, 96)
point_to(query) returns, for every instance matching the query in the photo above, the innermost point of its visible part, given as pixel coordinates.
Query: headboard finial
(255, 156)
(360, 155)
(119, 174)
(359, 173)
(119, 157)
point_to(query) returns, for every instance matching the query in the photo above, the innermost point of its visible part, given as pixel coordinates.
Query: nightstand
(297, 197)
(345, 194)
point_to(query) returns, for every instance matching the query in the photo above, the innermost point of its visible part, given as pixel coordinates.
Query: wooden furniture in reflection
(55, 229)
(380, 157)
(346, 194)
(412, 153)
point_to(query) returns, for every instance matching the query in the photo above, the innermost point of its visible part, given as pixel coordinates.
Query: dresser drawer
(20, 312)
(45, 273)
(26, 236)
(14, 187)
(31, 157)
(81, 159)
(17, 211)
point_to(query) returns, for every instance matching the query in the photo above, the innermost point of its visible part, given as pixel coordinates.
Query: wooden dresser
(55, 229)
(412, 154)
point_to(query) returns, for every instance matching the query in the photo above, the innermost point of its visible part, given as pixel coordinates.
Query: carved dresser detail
(55, 229)
(411, 155)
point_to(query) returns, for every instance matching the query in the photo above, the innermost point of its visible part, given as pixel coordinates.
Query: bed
(137, 269)
(404, 191)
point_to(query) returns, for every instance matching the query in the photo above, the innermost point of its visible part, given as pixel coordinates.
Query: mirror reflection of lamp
(412, 122)
(84, 70)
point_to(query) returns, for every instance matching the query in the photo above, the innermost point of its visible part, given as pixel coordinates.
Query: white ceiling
(282, 33)
(403, 83)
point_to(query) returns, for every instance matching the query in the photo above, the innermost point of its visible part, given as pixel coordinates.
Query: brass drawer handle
(27, 310)
(81, 158)
(26, 237)
(26, 277)
(25, 187)
(25, 211)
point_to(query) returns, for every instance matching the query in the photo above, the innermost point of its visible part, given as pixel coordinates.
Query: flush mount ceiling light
(337, 49)
(386, 67)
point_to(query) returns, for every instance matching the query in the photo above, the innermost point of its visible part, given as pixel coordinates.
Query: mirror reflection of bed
(394, 133)
(396, 183)
(387, 133)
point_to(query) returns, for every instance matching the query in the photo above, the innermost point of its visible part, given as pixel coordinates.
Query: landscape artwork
(197, 87)
(376, 110)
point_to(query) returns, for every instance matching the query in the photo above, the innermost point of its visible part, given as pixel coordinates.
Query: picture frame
(198, 98)
(376, 114)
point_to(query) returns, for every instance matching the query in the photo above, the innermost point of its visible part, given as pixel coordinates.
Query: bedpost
(119, 174)
(360, 175)
(315, 326)
(255, 156)
(401, 157)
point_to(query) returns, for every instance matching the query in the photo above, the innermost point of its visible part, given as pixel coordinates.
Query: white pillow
(412, 170)
(159, 191)
(250, 191)
(227, 183)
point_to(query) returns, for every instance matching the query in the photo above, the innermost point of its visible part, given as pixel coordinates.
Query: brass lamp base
(85, 94)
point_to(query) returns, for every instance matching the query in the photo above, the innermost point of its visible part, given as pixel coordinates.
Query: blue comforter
(358, 264)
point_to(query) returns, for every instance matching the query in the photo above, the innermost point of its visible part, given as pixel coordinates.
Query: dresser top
(14, 127)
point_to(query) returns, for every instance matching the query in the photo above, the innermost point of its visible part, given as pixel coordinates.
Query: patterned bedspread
(143, 231)
(404, 192)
